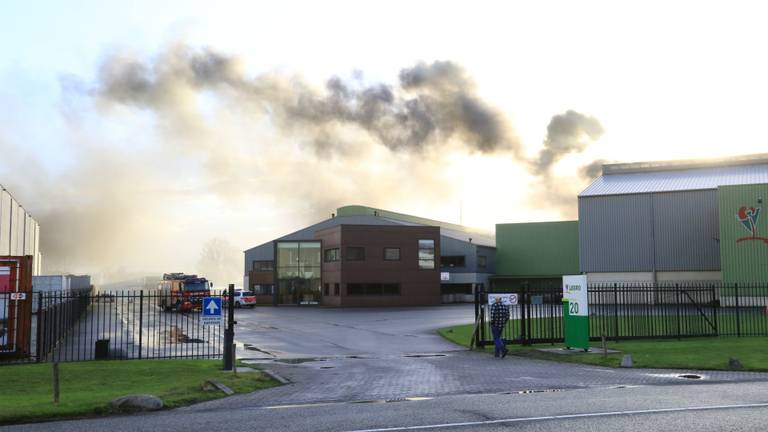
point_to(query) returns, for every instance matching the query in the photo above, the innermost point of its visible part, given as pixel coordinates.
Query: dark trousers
(499, 344)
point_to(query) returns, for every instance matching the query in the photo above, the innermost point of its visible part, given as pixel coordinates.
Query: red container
(15, 306)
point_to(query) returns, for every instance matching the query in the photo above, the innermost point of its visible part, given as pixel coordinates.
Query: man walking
(499, 318)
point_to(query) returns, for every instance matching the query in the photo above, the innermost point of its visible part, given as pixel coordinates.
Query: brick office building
(371, 257)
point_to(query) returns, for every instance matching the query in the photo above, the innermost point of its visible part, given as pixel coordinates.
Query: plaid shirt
(499, 314)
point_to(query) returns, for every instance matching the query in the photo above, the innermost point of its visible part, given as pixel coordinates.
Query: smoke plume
(570, 132)
(431, 105)
(567, 133)
(194, 136)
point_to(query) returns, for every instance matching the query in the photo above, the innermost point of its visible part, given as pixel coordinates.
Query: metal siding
(744, 261)
(452, 247)
(490, 254)
(615, 233)
(676, 180)
(264, 252)
(686, 228)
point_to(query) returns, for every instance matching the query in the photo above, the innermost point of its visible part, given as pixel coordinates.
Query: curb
(276, 376)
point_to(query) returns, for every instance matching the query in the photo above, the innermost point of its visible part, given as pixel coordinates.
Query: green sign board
(576, 312)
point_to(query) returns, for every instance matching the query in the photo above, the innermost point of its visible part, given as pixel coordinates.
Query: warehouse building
(535, 255)
(19, 231)
(664, 222)
(364, 256)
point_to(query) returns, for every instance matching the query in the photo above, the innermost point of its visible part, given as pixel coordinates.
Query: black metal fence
(82, 325)
(634, 311)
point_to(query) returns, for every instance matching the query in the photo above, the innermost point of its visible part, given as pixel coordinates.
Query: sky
(128, 178)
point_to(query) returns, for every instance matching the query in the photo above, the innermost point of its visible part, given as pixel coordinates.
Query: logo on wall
(749, 216)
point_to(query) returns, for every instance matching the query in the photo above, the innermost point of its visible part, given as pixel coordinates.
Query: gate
(631, 311)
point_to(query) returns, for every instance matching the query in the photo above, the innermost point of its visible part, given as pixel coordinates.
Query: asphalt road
(355, 370)
(712, 407)
(303, 332)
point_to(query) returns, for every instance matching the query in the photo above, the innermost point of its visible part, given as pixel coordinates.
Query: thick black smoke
(571, 132)
(431, 105)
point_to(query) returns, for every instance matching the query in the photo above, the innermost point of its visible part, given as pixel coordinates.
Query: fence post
(141, 319)
(738, 310)
(523, 314)
(616, 311)
(715, 307)
(229, 333)
(38, 341)
(677, 294)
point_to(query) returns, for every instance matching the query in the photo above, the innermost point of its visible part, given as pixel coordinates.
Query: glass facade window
(452, 261)
(355, 253)
(332, 255)
(427, 254)
(482, 261)
(326, 289)
(335, 289)
(298, 272)
(392, 254)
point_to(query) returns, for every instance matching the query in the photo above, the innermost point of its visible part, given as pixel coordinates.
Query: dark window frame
(462, 263)
(328, 252)
(424, 260)
(373, 289)
(482, 261)
(336, 288)
(391, 259)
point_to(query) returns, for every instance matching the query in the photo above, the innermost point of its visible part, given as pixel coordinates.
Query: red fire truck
(182, 292)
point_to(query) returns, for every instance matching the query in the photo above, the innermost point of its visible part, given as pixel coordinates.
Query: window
(355, 253)
(373, 289)
(452, 261)
(332, 255)
(263, 289)
(263, 266)
(482, 261)
(391, 254)
(427, 254)
(326, 289)
(355, 289)
(335, 289)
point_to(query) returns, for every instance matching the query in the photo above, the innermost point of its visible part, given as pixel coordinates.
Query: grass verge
(710, 353)
(88, 387)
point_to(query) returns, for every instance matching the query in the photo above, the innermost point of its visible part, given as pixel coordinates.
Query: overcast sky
(664, 80)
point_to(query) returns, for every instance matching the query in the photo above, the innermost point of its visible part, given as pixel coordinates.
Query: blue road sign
(212, 306)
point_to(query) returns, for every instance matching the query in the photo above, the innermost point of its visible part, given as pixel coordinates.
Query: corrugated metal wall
(19, 232)
(686, 226)
(673, 231)
(744, 255)
(615, 233)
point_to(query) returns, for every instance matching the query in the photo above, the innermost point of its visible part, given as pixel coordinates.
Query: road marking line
(566, 416)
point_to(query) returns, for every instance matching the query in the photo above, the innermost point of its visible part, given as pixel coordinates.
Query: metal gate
(631, 311)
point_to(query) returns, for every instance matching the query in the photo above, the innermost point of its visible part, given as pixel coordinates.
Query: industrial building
(363, 256)
(19, 231)
(535, 254)
(664, 222)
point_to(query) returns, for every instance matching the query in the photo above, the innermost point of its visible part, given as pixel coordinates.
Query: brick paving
(343, 379)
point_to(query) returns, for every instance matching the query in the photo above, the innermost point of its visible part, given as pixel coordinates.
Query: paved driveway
(303, 332)
(332, 355)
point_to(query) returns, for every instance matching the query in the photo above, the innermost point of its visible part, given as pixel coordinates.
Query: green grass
(711, 353)
(88, 387)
